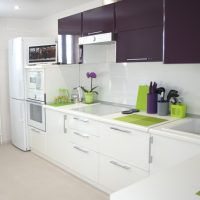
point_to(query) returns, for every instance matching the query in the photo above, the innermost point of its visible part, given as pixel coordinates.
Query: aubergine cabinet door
(70, 25)
(182, 31)
(141, 45)
(98, 20)
(136, 14)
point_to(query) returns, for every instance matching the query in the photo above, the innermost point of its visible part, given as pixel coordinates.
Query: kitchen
(118, 83)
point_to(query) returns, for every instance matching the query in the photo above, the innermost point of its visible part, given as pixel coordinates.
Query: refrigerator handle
(45, 98)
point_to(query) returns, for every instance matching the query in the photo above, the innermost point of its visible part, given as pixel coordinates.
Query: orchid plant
(90, 75)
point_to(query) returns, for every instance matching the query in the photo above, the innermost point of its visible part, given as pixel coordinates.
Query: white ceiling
(36, 9)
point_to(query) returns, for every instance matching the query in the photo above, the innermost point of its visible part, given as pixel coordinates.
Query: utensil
(172, 93)
(150, 87)
(161, 92)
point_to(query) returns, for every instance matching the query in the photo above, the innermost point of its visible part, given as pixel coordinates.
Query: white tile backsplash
(119, 82)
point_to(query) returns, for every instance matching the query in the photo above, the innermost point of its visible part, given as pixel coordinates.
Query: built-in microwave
(43, 54)
(35, 85)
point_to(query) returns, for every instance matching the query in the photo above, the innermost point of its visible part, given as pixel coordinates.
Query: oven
(36, 114)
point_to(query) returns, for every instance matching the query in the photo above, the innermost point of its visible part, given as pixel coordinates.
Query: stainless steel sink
(191, 125)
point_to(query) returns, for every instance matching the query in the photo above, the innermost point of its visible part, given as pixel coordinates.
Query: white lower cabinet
(128, 145)
(83, 161)
(57, 136)
(167, 152)
(114, 174)
(37, 140)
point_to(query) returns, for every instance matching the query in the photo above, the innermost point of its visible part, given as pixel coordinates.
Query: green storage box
(178, 110)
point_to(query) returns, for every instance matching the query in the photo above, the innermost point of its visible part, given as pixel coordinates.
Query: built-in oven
(36, 114)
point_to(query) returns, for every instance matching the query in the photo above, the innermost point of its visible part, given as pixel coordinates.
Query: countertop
(68, 109)
(181, 182)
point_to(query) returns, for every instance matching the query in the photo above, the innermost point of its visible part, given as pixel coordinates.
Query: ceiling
(36, 9)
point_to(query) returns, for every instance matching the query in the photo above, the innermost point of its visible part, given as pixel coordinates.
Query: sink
(191, 125)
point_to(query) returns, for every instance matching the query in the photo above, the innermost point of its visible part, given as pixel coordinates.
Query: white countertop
(108, 118)
(181, 182)
(180, 135)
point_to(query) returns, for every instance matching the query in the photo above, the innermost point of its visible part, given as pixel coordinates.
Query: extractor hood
(96, 39)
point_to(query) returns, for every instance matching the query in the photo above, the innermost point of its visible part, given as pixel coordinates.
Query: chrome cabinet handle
(120, 130)
(96, 32)
(150, 143)
(82, 120)
(120, 165)
(80, 149)
(138, 59)
(35, 130)
(64, 125)
(81, 135)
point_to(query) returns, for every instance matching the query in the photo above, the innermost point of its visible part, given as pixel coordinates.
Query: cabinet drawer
(83, 161)
(115, 175)
(124, 144)
(37, 140)
(85, 139)
(83, 124)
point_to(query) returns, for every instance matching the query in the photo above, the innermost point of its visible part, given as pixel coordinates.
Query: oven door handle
(35, 102)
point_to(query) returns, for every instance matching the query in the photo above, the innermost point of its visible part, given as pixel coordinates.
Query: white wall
(10, 28)
(119, 82)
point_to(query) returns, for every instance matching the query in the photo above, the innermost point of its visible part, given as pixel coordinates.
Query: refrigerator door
(18, 124)
(16, 69)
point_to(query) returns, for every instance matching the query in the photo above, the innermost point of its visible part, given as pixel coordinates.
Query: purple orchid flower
(90, 75)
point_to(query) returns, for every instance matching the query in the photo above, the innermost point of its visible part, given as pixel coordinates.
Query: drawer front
(37, 140)
(115, 175)
(84, 125)
(83, 161)
(125, 144)
(84, 139)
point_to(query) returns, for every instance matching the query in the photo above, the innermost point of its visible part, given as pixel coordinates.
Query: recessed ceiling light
(16, 7)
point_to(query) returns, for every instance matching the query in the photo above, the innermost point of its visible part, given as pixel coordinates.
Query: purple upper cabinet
(182, 31)
(143, 45)
(70, 25)
(136, 14)
(98, 20)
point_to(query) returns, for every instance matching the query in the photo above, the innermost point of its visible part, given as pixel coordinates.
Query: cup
(163, 108)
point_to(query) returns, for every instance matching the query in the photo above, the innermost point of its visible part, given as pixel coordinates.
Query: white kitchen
(99, 100)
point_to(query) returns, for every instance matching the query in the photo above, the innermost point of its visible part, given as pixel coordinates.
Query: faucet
(79, 94)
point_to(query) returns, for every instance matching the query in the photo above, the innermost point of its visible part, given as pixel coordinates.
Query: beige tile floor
(24, 176)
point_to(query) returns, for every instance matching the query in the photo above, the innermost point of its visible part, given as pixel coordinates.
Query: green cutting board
(59, 104)
(141, 103)
(141, 120)
(198, 193)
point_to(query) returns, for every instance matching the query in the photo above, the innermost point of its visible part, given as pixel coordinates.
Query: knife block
(152, 103)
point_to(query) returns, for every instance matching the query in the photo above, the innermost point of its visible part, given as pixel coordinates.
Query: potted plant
(89, 94)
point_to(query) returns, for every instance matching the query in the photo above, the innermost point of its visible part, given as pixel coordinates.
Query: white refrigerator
(18, 59)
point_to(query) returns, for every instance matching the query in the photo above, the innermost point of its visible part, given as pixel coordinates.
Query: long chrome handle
(96, 32)
(82, 120)
(120, 130)
(81, 135)
(36, 131)
(80, 149)
(120, 165)
(64, 125)
(150, 143)
(138, 59)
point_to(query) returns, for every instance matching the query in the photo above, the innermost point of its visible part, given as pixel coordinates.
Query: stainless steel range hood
(96, 39)
(69, 51)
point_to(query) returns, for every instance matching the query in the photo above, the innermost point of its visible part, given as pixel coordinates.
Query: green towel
(141, 120)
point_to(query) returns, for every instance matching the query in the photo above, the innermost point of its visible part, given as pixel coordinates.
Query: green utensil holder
(178, 110)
